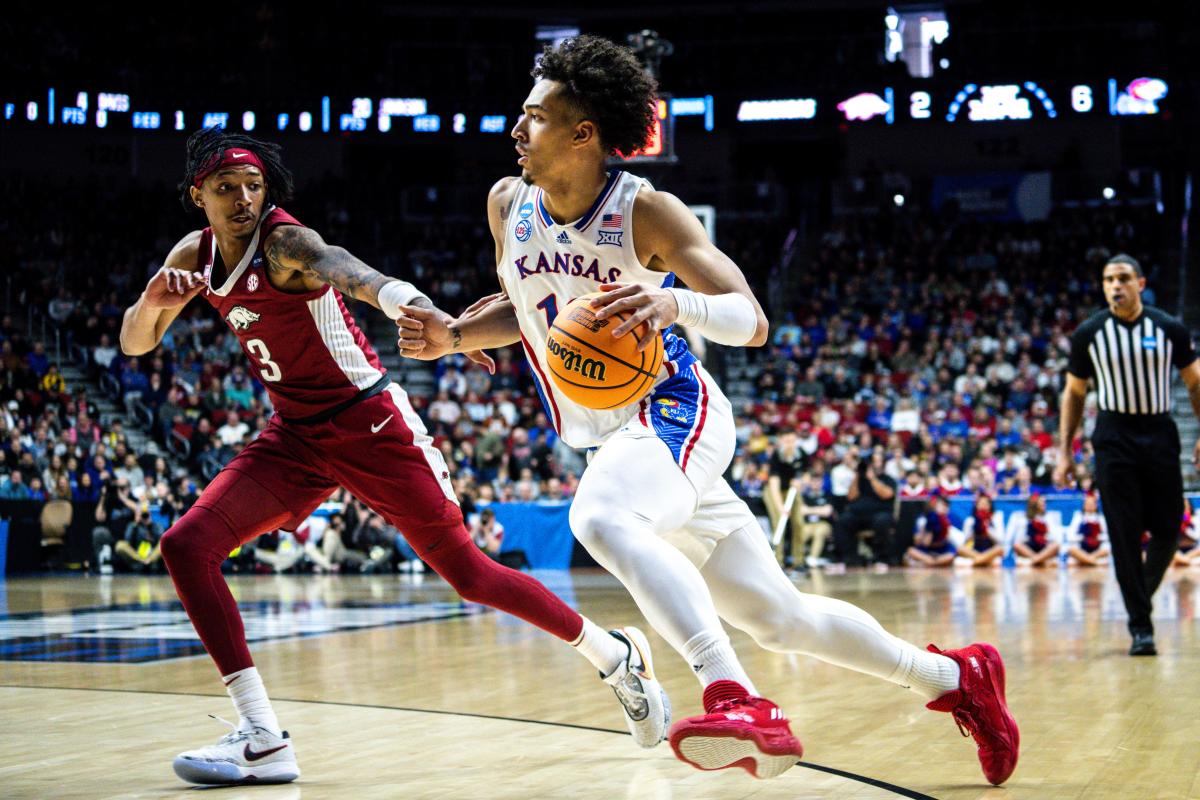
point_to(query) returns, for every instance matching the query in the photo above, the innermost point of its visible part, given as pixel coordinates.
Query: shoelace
(964, 718)
(236, 735)
(721, 706)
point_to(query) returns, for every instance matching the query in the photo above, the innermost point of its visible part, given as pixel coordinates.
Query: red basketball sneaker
(979, 708)
(737, 731)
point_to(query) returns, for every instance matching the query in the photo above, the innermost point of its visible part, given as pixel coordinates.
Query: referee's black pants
(1141, 489)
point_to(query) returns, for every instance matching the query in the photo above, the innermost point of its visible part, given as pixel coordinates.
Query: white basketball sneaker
(256, 756)
(647, 707)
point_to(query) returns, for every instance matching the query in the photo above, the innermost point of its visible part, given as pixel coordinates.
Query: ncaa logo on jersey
(523, 230)
(1149, 343)
(526, 211)
(240, 318)
(252, 283)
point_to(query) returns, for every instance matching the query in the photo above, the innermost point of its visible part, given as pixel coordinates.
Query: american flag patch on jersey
(611, 221)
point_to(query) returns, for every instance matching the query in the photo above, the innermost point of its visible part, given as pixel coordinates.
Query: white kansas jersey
(546, 265)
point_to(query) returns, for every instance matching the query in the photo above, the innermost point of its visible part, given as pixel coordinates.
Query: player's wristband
(395, 294)
(722, 318)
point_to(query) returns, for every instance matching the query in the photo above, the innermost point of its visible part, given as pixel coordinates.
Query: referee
(1129, 351)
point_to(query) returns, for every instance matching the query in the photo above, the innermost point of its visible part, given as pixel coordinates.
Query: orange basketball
(592, 368)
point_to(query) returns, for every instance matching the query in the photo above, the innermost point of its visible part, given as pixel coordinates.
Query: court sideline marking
(897, 790)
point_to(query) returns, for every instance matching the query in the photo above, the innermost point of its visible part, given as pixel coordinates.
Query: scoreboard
(970, 102)
(916, 104)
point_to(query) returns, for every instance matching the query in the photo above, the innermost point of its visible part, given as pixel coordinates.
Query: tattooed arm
(295, 249)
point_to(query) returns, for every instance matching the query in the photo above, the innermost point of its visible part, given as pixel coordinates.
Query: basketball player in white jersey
(652, 506)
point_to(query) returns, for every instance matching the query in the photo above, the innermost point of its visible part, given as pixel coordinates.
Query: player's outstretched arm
(169, 290)
(490, 321)
(292, 248)
(719, 305)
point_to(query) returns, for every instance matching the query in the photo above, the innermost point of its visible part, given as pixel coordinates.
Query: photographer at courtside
(870, 505)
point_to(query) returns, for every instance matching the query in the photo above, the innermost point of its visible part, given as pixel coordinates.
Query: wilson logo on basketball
(591, 367)
(587, 319)
(574, 361)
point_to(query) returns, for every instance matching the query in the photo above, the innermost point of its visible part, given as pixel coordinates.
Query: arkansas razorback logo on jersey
(240, 318)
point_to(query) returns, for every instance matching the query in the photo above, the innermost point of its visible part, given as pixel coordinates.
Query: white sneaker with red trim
(256, 756)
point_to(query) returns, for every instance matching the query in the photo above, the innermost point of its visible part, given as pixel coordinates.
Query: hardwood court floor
(474, 704)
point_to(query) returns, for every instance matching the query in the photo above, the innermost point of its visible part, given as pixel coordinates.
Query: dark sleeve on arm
(1079, 362)
(1183, 352)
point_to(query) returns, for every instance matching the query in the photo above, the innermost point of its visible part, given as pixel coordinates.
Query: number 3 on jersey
(270, 370)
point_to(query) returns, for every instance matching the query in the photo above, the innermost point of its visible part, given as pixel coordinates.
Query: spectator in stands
(37, 492)
(130, 472)
(169, 414)
(869, 505)
(84, 432)
(526, 488)
(86, 490)
(139, 546)
(52, 382)
(948, 482)
(811, 388)
(55, 470)
(14, 487)
(914, 487)
(453, 383)
(186, 495)
(38, 362)
(133, 381)
(214, 400)
(59, 490)
(234, 431)
(61, 307)
(841, 476)
(906, 419)
(238, 388)
(114, 512)
(444, 410)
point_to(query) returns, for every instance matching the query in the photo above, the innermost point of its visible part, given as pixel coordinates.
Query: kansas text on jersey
(546, 265)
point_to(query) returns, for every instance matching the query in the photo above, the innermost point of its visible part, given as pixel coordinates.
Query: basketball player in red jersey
(338, 421)
(652, 507)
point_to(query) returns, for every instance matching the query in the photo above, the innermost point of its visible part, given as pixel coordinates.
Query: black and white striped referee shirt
(1132, 362)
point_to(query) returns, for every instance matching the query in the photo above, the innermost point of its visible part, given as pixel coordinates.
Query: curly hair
(605, 82)
(205, 144)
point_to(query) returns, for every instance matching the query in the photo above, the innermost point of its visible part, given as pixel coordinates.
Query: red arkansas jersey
(306, 348)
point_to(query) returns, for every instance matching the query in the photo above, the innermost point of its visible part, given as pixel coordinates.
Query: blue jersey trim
(599, 202)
